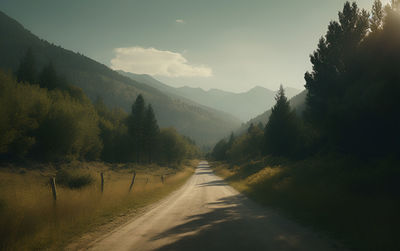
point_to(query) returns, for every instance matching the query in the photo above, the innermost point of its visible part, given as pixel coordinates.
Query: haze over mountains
(298, 103)
(204, 116)
(204, 125)
(244, 106)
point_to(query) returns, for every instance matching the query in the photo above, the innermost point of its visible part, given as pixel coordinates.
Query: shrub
(73, 180)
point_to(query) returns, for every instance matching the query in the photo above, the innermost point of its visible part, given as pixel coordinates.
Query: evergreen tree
(135, 124)
(353, 89)
(219, 150)
(281, 130)
(26, 69)
(137, 116)
(151, 133)
(247, 146)
(377, 16)
(334, 57)
(48, 77)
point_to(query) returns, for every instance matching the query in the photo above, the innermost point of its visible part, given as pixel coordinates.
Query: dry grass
(30, 219)
(355, 203)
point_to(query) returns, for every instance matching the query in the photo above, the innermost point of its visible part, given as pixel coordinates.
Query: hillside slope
(205, 126)
(297, 102)
(245, 105)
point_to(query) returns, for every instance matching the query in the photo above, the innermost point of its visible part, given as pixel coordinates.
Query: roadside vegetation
(32, 220)
(328, 194)
(49, 120)
(50, 129)
(336, 165)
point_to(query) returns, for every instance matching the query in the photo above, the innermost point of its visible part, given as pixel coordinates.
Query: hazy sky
(227, 44)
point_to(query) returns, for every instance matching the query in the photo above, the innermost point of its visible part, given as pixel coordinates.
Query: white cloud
(156, 62)
(180, 21)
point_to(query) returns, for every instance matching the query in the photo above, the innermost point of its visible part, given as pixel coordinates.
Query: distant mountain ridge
(245, 105)
(204, 125)
(298, 103)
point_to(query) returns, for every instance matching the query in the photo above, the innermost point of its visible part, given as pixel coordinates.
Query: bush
(45, 125)
(73, 180)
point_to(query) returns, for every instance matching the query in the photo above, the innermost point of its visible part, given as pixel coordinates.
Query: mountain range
(245, 105)
(203, 124)
(204, 116)
(298, 103)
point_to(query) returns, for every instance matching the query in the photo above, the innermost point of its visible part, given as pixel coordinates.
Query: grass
(352, 201)
(30, 220)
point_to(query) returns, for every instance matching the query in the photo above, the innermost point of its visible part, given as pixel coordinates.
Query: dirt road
(208, 214)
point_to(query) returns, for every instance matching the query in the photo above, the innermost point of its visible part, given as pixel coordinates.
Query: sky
(232, 45)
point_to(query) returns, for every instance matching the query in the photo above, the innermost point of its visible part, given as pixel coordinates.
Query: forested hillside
(298, 103)
(352, 95)
(243, 105)
(49, 121)
(336, 163)
(97, 80)
(172, 92)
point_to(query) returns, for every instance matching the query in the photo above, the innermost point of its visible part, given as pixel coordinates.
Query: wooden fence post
(162, 179)
(133, 181)
(147, 180)
(53, 188)
(102, 182)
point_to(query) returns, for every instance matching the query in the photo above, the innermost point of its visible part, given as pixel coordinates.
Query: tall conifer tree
(26, 70)
(331, 61)
(151, 133)
(376, 19)
(281, 130)
(48, 77)
(135, 125)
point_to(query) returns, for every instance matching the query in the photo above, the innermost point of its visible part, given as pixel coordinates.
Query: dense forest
(335, 165)
(352, 98)
(44, 118)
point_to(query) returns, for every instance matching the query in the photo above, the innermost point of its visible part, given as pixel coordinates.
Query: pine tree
(377, 16)
(135, 124)
(281, 130)
(334, 57)
(135, 120)
(151, 133)
(254, 141)
(48, 77)
(26, 70)
(219, 150)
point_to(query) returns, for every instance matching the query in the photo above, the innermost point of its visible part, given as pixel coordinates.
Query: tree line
(353, 98)
(44, 118)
